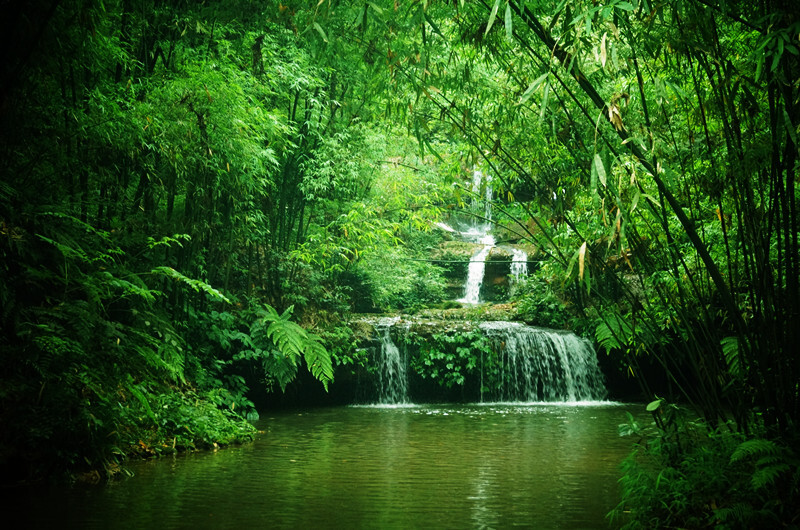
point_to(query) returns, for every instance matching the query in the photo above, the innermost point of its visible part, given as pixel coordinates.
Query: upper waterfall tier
(475, 272)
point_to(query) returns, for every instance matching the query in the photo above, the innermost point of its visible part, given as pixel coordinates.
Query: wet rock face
(495, 280)
(453, 257)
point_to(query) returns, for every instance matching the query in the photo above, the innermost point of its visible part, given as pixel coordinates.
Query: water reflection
(478, 466)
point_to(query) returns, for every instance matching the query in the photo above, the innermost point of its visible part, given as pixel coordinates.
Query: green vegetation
(176, 179)
(685, 474)
(194, 197)
(449, 358)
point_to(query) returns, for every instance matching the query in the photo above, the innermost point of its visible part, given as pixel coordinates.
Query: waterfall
(522, 364)
(484, 203)
(392, 379)
(479, 233)
(544, 365)
(475, 271)
(519, 264)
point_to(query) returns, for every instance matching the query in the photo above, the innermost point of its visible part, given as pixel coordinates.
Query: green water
(454, 466)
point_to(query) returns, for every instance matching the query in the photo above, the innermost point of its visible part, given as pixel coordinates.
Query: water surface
(448, 466)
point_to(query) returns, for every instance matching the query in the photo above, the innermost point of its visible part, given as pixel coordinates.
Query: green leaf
(508, 21)
(197, 285)
(755, 447)
(532, 88)
(143, 400)
(599, 169)
(545, 101)
(730, 350)
(320, 31)
(790, 128)
(492, 16)
(653, 405)
(433, 25)
(318, 360)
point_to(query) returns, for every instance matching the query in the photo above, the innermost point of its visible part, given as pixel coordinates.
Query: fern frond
(197, 285)
(730, 350)
(318, 360)
(281, 368)
(143, 400)
(739, 512)
(766, 476)
(755, 447)
(126, 288)
(292, 342)
(607, 337)
(288, 336)
(66, 250)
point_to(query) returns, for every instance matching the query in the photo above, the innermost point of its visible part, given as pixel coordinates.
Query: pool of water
(416, 466)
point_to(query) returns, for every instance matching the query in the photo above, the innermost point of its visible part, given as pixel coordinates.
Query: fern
(289, 337)
(755, 447)
(287, 342)
(318, 360)
(168, 241)
(196, 285)
(126, 288)
(143, 400)
(768, 475)
(730, 350)
(736, 513)
(613, 332)
(771, 461)
(280, 368)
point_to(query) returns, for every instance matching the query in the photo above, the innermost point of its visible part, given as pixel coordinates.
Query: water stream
(476, 270)
(390, 366)
(545, 365)
(519, 264)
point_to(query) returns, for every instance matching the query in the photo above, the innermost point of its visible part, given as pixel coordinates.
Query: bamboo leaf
(320, 31)
(790, 128)
(654, 405)
(433, 25)
(545, 101)
(603, 54)
(508, 21)
(532, 88)
(581, 260)
(492, 16)
(599, 169)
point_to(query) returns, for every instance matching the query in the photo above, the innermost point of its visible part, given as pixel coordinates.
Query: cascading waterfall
(485, 203)
(475, 272)
(392, 378)
(519, 264)
(527, 365)
(545, 365)
(479, 233)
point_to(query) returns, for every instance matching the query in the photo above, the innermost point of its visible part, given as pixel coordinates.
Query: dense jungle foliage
(196, 196)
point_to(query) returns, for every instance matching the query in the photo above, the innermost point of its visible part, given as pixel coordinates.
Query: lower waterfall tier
(488, 362)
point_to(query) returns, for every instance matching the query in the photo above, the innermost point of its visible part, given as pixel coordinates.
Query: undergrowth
(685, 474)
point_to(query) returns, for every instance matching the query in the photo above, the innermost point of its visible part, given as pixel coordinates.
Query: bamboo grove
(681, 122)
(183, 183)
